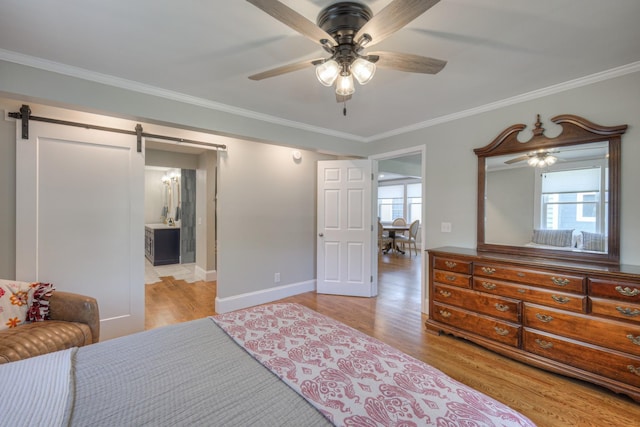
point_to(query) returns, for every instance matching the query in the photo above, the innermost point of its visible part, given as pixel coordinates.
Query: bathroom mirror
(552, 197)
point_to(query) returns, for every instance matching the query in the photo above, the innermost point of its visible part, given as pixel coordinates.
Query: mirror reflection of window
(571, 200)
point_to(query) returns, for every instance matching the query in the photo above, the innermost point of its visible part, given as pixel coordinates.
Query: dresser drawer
(452, 264)
(549, 279)
(616, 335)
(500, 307)
(618, 366)
(496, 330)
(626, 291)
(451, 278)
(617, 309)
(563, 300)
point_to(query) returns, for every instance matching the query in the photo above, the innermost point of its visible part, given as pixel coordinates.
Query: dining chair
(399, 221)
(412, 238)
(384, 241)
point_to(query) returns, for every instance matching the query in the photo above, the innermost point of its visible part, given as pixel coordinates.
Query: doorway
(400, 181)
(180, 189)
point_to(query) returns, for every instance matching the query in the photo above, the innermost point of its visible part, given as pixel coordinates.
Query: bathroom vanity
(162, 244)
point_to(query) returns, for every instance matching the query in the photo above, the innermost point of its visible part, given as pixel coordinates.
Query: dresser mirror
(552, 197)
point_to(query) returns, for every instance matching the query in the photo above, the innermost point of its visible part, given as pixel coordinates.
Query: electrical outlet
(445, 227)
(276, 278)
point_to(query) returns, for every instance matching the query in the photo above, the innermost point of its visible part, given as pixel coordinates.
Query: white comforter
(34, 392)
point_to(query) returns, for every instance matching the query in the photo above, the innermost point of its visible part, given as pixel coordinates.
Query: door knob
(321, 234)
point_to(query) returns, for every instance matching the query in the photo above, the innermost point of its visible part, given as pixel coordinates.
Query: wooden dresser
(580, 320)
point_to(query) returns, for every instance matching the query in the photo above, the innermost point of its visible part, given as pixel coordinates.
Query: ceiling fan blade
(393, 17)
(342, 98)
(408, 62)
(293, 19)
(517, 159)
(286, 69)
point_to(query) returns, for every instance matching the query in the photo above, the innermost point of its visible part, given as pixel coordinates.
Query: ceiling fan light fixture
(363, 70)
(542, 160)
(328, 72)
(344, 85)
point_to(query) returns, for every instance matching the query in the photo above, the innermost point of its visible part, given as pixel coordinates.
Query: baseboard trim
(207, 276)
(237, 302)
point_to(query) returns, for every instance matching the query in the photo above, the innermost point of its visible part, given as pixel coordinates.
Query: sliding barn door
(80, 218)
(345, 258)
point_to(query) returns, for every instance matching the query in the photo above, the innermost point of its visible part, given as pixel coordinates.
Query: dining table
(392, 230)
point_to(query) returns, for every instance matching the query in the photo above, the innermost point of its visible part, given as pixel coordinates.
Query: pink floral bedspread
(354, 379)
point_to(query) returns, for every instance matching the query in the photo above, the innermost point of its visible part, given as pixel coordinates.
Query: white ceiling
(496, 50)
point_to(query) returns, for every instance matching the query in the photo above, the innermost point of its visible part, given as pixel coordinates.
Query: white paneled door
(80, 218)
(345, 259)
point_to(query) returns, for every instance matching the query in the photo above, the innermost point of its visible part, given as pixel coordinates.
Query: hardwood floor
(394, 317)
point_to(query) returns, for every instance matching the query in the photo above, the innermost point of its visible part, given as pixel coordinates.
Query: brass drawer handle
(627, 291)
(544, 318)
(520, 274)
(560, 300)
(634, 370)
(560, 281)
(445, 294)
(544, 344)
(521, 291)
(488, 285)
(635, 340)
(445, 313)
(628, 311)
(450, 264)
(488, 270)
(450, 278)
(501, 307)
(501, 331)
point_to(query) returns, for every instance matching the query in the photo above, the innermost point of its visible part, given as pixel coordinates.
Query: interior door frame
(422, 150)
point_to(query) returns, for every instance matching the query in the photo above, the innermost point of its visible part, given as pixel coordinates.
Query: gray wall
(266, 217)
(267, 202)
(451, 166)
(8, 197)
(206, 177)
(509, 206)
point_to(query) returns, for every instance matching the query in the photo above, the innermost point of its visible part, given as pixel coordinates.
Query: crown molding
(134, 86)
(539, 93)
(81, 73)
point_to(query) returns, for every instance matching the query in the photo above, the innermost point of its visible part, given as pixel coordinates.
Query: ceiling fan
(538, 158)
(344, 30)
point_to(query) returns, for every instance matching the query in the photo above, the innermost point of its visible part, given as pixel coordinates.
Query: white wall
(154, 195)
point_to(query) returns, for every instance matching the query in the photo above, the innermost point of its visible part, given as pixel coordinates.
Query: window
(571, 200)
(414, 202)
(400, 201)
(390, 202)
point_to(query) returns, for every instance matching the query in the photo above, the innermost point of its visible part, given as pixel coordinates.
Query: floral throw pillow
(39, 308)
(22, 302)
(15, 300)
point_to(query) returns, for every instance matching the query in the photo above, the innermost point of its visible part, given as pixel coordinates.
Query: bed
(278, 364)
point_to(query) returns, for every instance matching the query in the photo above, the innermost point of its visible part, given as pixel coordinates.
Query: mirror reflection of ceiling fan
(344, 30)
(539, 158)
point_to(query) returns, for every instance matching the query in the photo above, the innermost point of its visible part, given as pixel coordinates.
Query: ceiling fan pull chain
(344, 110)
